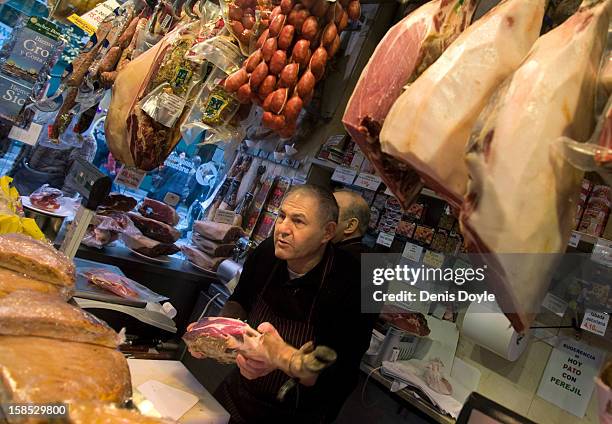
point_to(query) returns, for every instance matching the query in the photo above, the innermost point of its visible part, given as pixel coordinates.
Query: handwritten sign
(555, 304)
(225, 217)
(412, 252)
(130, 177)
(595, 322)
(568, 378)
(27, 136)
(344, 175)
(368, 181)
(385, 239)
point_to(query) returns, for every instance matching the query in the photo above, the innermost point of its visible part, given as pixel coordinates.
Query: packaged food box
(446, 222)
(405, 229)
(416, 211)
(424, 234)
(439, 240)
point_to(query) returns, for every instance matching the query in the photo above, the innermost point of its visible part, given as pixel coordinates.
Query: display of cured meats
(402, 55)
(37, 259)
(117, 202)
(47, 198)
(26, 313)
(522, 194)
(217, 231)
(430, 123)
(155, 229)
(158, 211)
(291, 57)
(210, 247)
(201, 259)
(36, 370)
(147, 246)
(11, 281)
(411, 322)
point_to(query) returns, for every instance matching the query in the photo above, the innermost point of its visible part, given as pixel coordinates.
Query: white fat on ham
(522, 194)
(430, 123)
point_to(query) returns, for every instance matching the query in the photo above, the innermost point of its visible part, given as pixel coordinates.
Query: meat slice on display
(202, 259)
(212, 248)
(42, 370)
(24, 313)
(158, 211)
(147, 246)
(118, 202)
(217, 231)
(522, 194)
(430, 123)
(156, 230)
(403, 54)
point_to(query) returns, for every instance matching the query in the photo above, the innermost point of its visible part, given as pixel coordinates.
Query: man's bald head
(354, 215)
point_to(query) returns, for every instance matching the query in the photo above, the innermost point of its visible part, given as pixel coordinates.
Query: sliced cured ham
(403, 54)
(522, 194)
(430, 123)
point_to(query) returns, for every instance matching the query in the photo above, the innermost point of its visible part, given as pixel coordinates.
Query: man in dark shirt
(297, 287)
(353, 220)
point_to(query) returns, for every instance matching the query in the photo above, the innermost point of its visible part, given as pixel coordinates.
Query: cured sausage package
(150, 95)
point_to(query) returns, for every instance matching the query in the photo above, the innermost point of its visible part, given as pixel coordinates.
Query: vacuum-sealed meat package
(210, 337)
(11, 281)
(37, 259)
(47, 198)
(42, 370)
(26, 313)
(120, 285)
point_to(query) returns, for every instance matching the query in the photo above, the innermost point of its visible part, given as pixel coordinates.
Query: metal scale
(94, 187)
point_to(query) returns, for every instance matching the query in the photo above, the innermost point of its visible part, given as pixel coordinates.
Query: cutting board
(174, 374)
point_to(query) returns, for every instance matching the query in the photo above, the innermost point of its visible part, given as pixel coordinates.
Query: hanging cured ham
(522, 194)
(430, 123)
(403, 54)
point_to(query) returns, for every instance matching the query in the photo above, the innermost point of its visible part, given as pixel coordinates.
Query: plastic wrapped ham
(411, 322)
(210, 337)
(212, 248)
(155, 229)
(402, 55)
(37, 259)
(430, 123)
(158, 211)
(47, 198)
(201, 259)
(120, 285)
(216, 231)
(40, 370)
(11, 281)
(26, 313)
(521, 203)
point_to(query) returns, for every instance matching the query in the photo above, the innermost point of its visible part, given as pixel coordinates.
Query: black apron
(254, 401)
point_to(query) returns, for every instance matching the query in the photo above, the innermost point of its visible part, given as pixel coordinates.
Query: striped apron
(254, 401)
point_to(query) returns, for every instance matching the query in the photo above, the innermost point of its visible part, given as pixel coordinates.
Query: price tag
(602, 252)
(90, 21)
(574, 239)
(368, 181)
(555, 304)
(412, 252)
(433, 259)
(225, 217)
(130, 177)
(172, 199)
(595, 322)
(29, 136)
(344, 175)
(385, 239)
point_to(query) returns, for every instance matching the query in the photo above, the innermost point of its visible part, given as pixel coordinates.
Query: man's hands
(256, 359)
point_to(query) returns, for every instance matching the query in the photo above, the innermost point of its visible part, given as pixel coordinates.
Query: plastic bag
(596, 154)
(47, 198)
(11, 212)
(62, 9)
(120, 285)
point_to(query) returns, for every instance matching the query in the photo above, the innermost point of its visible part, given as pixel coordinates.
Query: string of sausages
(291, 57)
